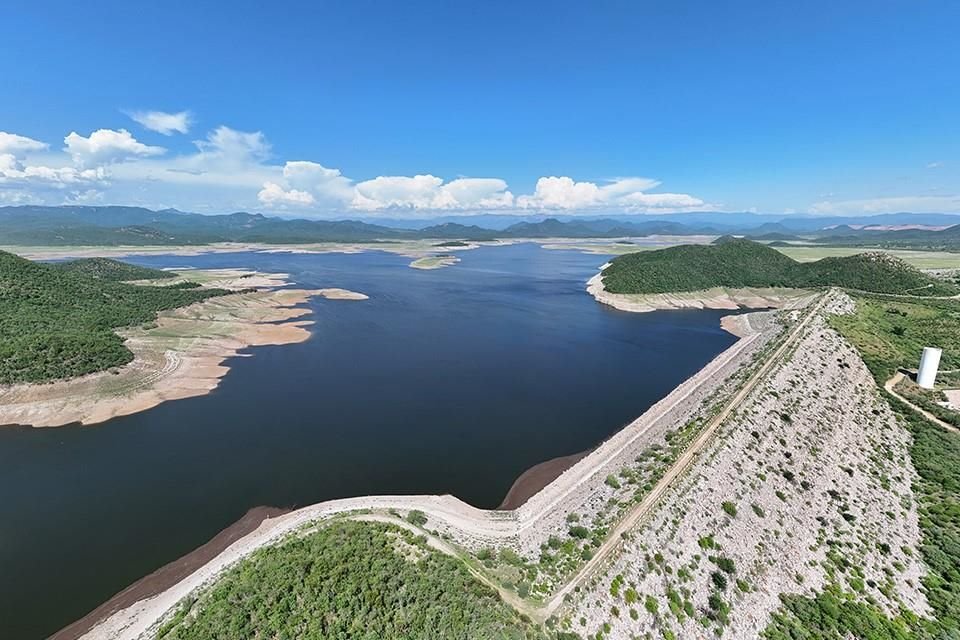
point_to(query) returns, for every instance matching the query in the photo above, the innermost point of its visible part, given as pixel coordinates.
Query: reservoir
(454, 380)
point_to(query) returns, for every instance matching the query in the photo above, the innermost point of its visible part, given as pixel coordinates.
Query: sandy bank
(341, 294)
(534, 479)
(170, 574)
(434, 262)
(180, 355)
(717, 298)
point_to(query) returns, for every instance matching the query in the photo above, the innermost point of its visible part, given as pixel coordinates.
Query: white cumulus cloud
(106, 145)
(306, 183)
(163, 122)
(431, 192)
(273, 195)
(563, 192)
(323, 183)
(13, 144)
(235, 170)
(12, 171)
(235, 146)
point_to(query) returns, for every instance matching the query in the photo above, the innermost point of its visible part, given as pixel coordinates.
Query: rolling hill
(57, 321)
(736, 263)
(112, 270)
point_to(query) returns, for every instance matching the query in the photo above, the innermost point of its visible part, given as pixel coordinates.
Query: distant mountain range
(75, 225)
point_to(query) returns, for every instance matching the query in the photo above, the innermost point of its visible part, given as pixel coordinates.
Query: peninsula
(736, 273)
(146, 336)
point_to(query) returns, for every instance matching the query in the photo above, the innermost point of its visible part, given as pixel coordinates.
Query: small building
(929, 363)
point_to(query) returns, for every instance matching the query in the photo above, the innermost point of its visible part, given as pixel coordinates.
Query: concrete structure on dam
(929, 363)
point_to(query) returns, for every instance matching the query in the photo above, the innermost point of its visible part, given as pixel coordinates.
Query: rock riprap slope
(808, 485)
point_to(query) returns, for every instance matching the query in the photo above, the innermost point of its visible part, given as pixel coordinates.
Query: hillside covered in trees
(112, 270)
(736, 263)
(351, 580)
(57, 321)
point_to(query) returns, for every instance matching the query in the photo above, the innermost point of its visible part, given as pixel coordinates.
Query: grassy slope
(56, 323)
(743, 263)
(890, 332)
(112, 270)
(350, 580)
(875, 330)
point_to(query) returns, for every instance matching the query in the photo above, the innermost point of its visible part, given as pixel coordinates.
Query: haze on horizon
(320, 111)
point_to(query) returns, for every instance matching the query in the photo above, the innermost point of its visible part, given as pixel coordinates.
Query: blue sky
(408, 109)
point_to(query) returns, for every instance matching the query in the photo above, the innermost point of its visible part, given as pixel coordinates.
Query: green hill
(112, 270)
(736, 263)
(58, 322)
(362, 580)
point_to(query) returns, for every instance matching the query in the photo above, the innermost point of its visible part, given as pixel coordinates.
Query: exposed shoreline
(180, 355)
(717, 298)
(536, 478)
(415, 249)
(434, 262)
(170, 573)
(567, 486)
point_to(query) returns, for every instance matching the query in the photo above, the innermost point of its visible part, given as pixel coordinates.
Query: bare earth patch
(434, 262)
(181, 355)
(342, 294)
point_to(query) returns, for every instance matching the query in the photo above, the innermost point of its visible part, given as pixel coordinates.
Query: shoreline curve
(448, 515)
(716, 298)
(181, 354)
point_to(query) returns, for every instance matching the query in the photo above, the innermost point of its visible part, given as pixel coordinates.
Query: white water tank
(929, 362)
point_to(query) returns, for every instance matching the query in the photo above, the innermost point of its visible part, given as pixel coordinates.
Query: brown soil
(170, 574)
(537, 477)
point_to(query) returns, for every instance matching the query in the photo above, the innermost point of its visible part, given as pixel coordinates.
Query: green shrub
(417, 518)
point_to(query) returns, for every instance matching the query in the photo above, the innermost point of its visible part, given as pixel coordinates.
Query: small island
(434, 262)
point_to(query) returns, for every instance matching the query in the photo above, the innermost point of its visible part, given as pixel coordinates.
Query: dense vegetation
(888, 332)
(350, 580)
(113, 270)
(744, 263)
(833, 614)
(57, 322)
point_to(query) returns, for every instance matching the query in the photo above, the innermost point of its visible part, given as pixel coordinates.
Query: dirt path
(441, 545)
(893, 382)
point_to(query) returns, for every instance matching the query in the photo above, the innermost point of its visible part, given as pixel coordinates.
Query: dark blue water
(447, 381)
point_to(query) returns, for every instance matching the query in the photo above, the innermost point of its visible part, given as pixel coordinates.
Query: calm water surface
(447, 381)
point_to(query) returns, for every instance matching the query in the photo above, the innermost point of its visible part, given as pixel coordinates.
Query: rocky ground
(810, 482)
